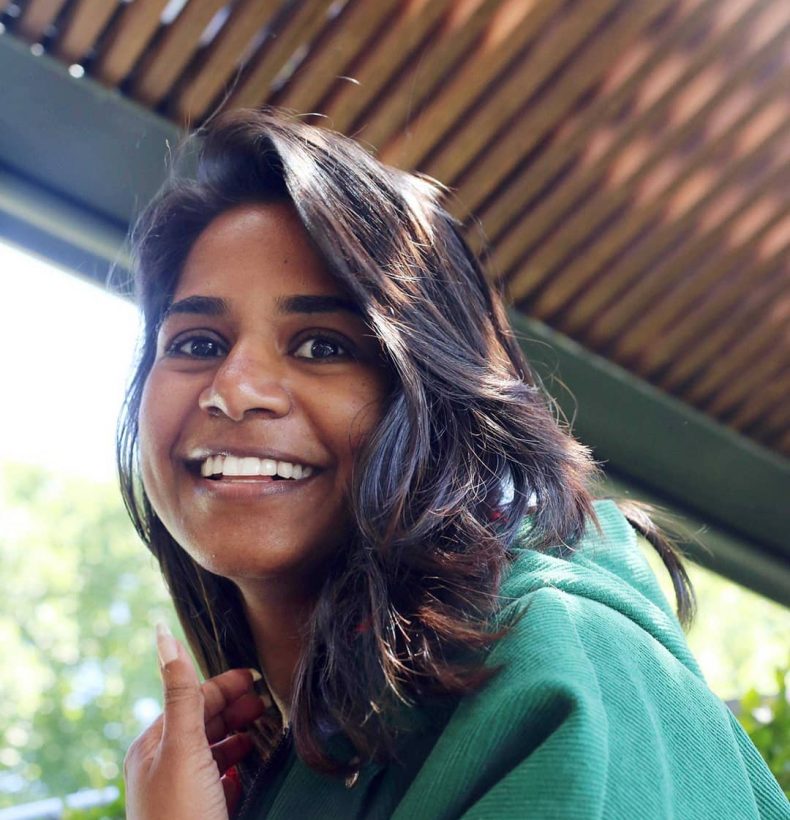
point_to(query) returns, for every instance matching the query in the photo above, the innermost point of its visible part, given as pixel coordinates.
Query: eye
(197, 347)
(321, 348)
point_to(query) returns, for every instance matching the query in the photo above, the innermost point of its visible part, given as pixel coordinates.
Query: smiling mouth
(223, 467)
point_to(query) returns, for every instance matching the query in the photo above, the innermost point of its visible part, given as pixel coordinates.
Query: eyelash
(180, 341)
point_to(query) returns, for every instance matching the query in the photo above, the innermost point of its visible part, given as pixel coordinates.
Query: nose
(245, 383)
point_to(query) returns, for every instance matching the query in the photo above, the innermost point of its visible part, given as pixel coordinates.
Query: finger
(239, 715)
(222, 690)
(183, 712)
(231, 751)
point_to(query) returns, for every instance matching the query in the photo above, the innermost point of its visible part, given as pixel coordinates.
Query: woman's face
(261, 362)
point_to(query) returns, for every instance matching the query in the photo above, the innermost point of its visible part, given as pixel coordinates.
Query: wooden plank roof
(626, 162)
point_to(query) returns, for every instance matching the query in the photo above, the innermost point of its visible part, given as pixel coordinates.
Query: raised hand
(176, 769)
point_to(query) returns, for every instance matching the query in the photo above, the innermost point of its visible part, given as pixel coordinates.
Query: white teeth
(231, 466)
(285, 469)
(249, 466)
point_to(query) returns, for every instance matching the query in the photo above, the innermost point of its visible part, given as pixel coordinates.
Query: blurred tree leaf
(767, 722)
(109, 811)
(82, 595)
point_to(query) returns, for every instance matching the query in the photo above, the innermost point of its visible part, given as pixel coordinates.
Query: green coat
(600, 711)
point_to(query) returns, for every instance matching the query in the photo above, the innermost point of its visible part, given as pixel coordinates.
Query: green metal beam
(710, 546)
(78, 160)
(69, 236)
(651, 439)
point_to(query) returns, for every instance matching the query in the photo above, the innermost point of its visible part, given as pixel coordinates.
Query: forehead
(252, 252)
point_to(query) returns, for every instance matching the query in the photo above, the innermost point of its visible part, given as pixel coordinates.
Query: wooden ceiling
(626, 161)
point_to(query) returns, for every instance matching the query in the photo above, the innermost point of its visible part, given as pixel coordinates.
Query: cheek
(147, 445)
(157, 428)
(364, 412)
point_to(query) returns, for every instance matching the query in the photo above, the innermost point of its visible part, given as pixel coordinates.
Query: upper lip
(202, 452)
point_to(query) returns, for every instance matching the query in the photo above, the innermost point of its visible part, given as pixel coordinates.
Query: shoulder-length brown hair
(405, 607)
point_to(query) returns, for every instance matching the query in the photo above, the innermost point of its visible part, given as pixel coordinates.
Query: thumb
(183, 712)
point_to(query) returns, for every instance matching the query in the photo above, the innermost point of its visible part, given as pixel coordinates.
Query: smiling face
(261, 362)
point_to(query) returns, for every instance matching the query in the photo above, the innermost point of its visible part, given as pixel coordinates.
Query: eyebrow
(202, 305)
(303, 303)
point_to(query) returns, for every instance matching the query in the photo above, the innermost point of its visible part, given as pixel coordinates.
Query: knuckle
(182, 692)
(141, 748)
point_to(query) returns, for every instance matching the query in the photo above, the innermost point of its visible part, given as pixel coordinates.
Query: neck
(277, 619)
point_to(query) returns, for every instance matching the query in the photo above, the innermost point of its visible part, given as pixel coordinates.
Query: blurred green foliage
(767, 722)
(109, 811)
(79, 677)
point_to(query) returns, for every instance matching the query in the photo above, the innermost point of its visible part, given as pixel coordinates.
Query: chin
(258, 561)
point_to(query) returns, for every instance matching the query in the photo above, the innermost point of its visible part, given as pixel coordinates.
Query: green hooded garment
(599, 711)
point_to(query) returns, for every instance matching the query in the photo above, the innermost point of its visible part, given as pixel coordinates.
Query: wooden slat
(435, 61)
(179, 43)
(523, 236)
(749, 365)
(491, 168)
(600, 265)
(682, 266)
(696, 360)
(334, 54)
(222, 57)
(37, 17)
(778, 421)
(300, 29)
(479, 70)
(758, 359)
(775, 422)
(527, 184)
(127, 40)
(634, 297)
(384, 59)
(769, 399)
(545, 254)
(85, 23)
(765, 284)
(691, 277)
(736, 361)
(723, 277)
(478, 128)
(627, 290)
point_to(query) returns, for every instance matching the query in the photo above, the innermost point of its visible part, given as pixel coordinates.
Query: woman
(339, 456)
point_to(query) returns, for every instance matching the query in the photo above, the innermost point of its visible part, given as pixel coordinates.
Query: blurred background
(623, 166)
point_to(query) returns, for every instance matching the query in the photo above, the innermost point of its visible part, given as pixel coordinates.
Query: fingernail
(165, 644)
(256, 675)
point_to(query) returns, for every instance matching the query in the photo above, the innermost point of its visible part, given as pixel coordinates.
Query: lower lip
(240, 488)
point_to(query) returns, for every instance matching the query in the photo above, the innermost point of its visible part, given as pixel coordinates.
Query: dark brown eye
(197, 347)
(320, 348)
